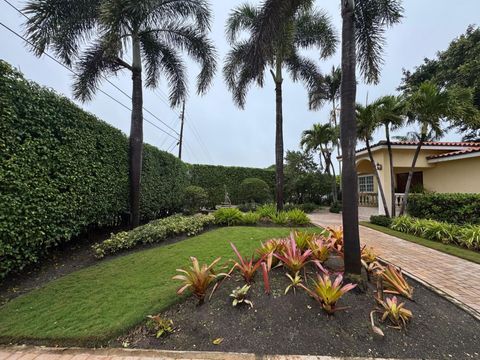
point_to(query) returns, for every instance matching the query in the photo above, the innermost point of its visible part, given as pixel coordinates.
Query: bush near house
(265, 214)
(381, 220)
(214, 179)
(63, 170)
(452, 208)
(467, 236)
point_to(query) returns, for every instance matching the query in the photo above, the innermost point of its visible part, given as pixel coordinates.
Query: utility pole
(180, 143)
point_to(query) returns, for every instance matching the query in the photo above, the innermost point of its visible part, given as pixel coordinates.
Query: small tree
(254, 190)
(195, 197)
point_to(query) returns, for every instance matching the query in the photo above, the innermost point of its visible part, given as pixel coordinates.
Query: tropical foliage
(304, 28)
(94, 38)
(154, 232)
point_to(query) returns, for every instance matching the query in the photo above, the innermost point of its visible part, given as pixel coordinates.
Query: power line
(106, 79)
(69, 69)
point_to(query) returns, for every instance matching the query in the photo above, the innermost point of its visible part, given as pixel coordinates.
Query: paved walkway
(457, 278)
(41, 353)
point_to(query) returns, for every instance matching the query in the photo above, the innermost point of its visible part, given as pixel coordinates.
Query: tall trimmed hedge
(451, 208)
(63, 170)
(214, 179)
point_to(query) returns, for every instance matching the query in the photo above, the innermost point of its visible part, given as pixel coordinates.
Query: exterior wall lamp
(379, 166)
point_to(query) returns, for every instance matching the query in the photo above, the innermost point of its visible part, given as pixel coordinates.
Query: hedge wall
(451, 208)
(62, 170)
(214, 178)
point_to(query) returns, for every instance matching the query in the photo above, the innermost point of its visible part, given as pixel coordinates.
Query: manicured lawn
(448, 249)
(97, 303)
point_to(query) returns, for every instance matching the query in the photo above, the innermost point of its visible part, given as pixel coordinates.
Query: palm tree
(391, 116)
(303, 29)
(363, 37)
(327, 89)
(96, 36)
(322, 137)
(428, 107)
(367, 122)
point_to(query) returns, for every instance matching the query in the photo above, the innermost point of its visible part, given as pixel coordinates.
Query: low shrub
(228, 216)
(280, 218)
(336, 208)
(467, 236)
(195, 197)
(154, 232)
(246, 207)
(297, 217)
(254, 190)
(267, 211)
(250, 218)
(452, 208)
(308, 207)
(381, 220)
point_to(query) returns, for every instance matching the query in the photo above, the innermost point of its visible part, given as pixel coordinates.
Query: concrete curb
(112, 353)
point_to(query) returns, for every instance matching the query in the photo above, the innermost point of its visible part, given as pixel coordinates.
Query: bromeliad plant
(395, 312)
(268, 248)
(295, 281)
(320, 249)
(160, 325)
(198, 278)
(292, 257)
(247, 268)
(394, 282)
(303, 239)
(328, 293)
(336, 239)
(239, 296)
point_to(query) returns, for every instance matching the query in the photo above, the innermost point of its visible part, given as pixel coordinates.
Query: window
(365, 184)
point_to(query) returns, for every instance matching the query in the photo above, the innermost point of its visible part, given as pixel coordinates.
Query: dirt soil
(296, 324)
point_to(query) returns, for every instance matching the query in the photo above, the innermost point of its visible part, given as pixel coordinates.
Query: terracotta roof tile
(426, 144)
(454, 153)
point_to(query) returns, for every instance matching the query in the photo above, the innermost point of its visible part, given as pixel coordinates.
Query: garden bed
(296, 324)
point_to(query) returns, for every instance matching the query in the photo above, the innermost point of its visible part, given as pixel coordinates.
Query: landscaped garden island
(108, 242)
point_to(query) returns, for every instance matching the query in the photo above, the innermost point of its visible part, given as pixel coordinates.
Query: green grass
(96, 304)
(448, 249)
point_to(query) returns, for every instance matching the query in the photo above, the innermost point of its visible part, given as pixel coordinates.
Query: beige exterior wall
(455, 176)
(461, 175)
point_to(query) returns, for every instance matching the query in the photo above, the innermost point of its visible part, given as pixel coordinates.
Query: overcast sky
(216, 132)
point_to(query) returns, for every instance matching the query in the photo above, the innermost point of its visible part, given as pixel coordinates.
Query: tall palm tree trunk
(380, 186)
(392, 172)
(279, 177)
(334, 184)
(348, 135)
(136, 134)
(410, 176)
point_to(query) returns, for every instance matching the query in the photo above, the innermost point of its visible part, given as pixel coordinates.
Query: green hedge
(63, 170)
(452, 208)
(214, 179)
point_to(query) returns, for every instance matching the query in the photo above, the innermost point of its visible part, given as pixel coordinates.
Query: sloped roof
(426, 144)
(455, 153)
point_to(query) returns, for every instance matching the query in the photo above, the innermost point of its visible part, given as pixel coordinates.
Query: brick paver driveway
(457, 278)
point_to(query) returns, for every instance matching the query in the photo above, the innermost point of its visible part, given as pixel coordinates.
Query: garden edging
(49, 353)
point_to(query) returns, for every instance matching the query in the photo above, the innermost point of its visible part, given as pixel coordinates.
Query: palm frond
(97, 61)
(303, 69)
(241, 18)
(372, 17)
(61, 25)
(315, 29)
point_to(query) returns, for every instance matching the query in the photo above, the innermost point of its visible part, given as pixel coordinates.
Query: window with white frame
(365, 183)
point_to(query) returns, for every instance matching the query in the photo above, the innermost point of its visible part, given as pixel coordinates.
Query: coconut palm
(367, 123)
(96, 37)
(363, 37)
(322, 138)
(304, 28)
(428, 107)
(390, 114)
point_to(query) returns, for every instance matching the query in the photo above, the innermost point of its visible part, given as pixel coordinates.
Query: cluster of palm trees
(97, 38)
